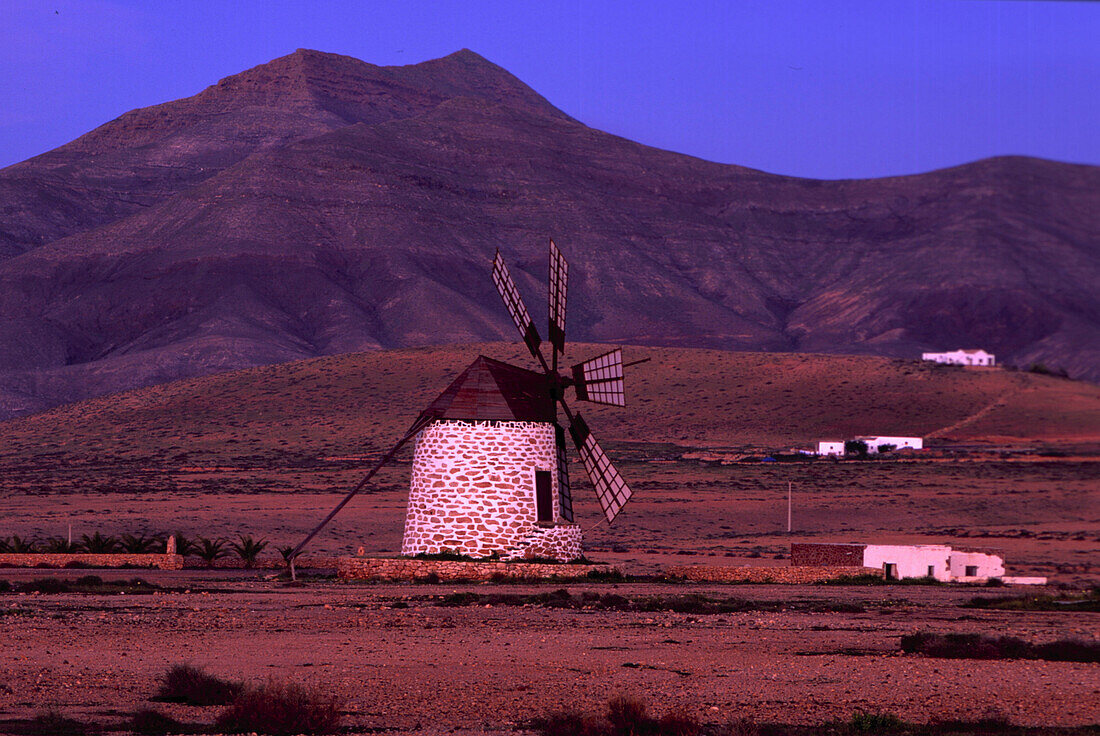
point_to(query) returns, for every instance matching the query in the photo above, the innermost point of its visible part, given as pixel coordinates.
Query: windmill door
(544, 500)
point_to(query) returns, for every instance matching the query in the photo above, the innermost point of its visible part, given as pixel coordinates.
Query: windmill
(490, 473)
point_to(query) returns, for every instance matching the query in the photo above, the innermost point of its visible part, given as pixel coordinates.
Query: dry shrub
(184, 683)
(979, 646)
(52, 723)
(623, 717)
(154, 723)
(281, 709)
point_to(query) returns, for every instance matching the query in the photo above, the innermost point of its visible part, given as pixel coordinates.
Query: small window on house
(971, 571)
(931, 571)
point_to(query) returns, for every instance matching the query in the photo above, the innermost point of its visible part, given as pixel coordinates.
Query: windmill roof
(489, 390)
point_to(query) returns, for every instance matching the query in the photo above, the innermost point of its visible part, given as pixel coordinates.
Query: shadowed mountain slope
(321, 205)
(154, 152)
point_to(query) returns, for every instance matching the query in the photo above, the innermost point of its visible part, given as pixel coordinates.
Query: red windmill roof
(490, 390)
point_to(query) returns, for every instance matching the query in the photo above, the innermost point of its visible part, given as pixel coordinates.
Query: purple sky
(822, 89)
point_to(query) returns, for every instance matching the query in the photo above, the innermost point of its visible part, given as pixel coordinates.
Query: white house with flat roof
(962, 357)
(900, 561)
(830, 447)
(874, 443)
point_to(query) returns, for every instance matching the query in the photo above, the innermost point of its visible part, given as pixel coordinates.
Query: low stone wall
(86, 559)
(398, 570)
(792, 574)
(829, 555)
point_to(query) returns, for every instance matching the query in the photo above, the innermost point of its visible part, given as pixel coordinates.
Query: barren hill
(323, 411)
(318, 205)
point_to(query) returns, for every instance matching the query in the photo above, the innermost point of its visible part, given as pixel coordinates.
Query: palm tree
(139, 544)
(286, 551)
(59, 545)
(249, 549)
(20, 545)
(211, 550)
(98, 544)
(185, 546)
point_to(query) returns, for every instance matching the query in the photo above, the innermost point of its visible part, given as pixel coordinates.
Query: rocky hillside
(319, 205)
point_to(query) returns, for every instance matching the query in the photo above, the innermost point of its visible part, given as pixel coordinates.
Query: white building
(830, 447)
(899, 561)
(874, 443)
(962, 357)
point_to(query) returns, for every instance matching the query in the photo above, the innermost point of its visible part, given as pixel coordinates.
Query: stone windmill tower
(490, 476)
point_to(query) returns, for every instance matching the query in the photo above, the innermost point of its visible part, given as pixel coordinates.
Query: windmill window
(544, 498)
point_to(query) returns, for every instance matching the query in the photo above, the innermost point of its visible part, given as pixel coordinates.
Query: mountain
(319, 205)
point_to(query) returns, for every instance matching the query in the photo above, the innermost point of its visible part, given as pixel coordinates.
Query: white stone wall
(473, 492)
(899, 443)
(988, 566)
(912, 560)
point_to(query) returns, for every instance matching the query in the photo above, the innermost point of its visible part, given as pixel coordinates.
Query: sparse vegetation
(139, 543)
(248, 549)
(622, 717)
(97, 544)
(691, 603)
(185, 546)
(184, 683)
(281, 709)
(60, 545)
(152, 722)
(285, 551)
(1043, 370)
(1088, 602)
(211, 550)
(629, 717)
(855, 447)
(18, 545)
(52, 722)
(979, 646)
(91, 584)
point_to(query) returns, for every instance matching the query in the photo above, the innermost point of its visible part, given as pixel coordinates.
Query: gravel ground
(479, 669)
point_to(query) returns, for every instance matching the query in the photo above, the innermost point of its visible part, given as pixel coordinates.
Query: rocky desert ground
(426, 658)
(1013, 466)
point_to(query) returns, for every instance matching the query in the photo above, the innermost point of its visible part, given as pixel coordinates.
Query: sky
(829, 89)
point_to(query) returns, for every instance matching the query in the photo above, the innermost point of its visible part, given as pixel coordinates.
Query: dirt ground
(1015, 468)
(1042, 513)
(482, 668)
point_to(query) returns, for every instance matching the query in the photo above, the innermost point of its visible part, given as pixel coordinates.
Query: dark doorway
(544, 500)
(891, 570)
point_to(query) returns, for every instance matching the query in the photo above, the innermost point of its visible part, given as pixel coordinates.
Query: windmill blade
(559, 280)
(565, 495)
(510, 294)
(611, 489)
(600, 380)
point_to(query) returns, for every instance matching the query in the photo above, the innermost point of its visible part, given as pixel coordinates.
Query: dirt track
(480, 668)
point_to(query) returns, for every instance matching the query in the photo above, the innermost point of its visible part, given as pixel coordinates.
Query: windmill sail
(510, 294)
(611, 490)
(559, 280)
(600, 380)
(565, 495)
